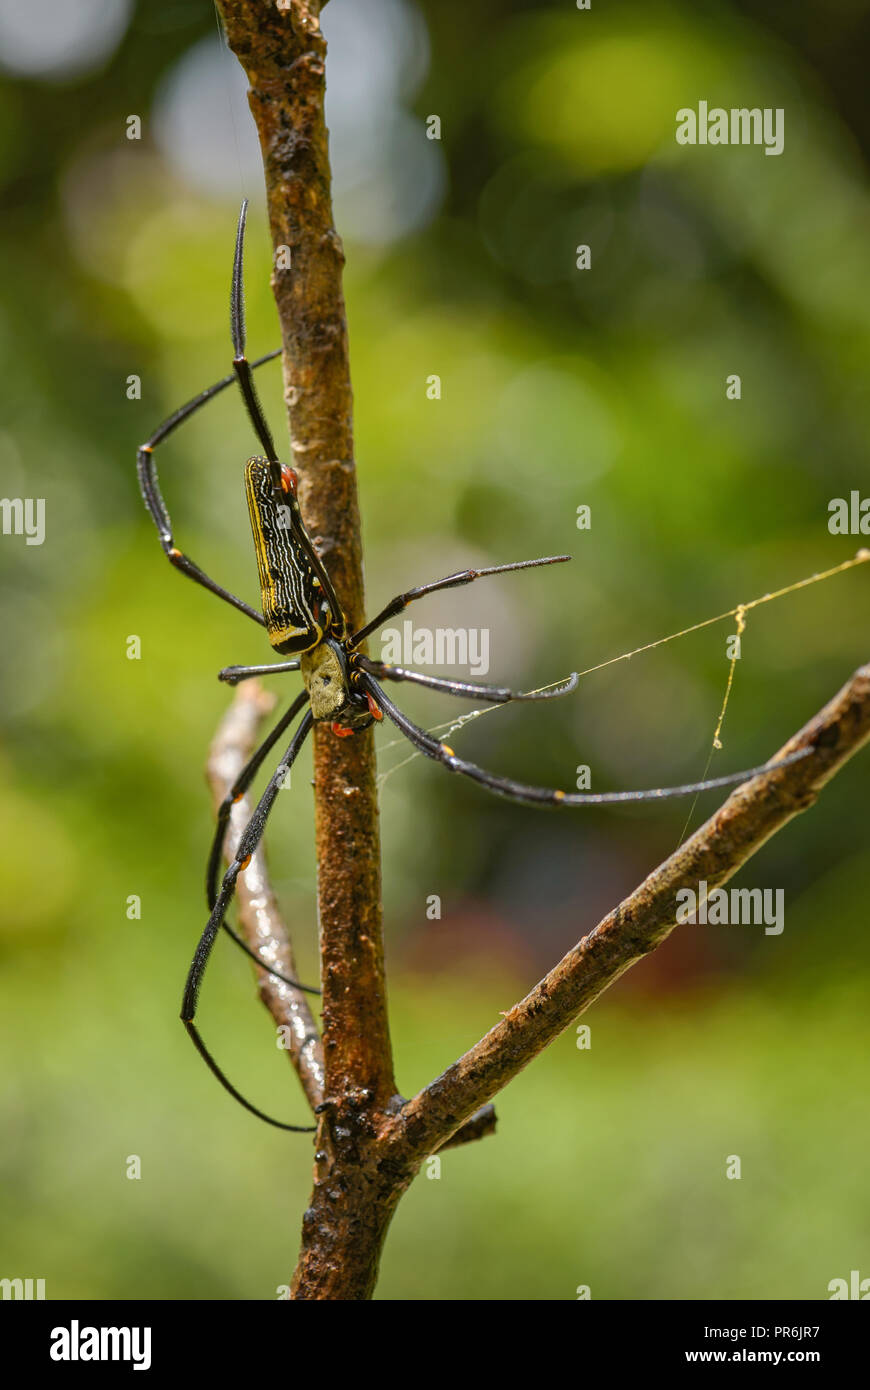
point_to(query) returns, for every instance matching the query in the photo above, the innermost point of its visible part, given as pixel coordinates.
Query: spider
(305, 623)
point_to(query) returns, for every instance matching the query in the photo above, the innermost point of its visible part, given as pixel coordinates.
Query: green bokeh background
(559, 388)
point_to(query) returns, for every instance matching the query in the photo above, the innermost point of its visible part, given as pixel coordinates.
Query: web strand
(740, 614)
(739, 611)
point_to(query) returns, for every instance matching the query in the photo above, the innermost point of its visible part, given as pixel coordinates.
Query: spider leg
(243, 371)
(494, 694)
(237, 790)
(247, 846)
(241, 365)
(549, 796)
(232, 675)
(453, 581)
(146, 468)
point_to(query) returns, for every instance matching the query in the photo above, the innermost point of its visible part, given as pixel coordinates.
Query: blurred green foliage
(559, 388)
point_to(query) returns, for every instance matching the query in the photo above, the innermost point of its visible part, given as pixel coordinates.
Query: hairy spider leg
(466, 690)
(282, 479)
(241, 365)
(549, 796)
(233, 675)
(453, 581)
(146, 468)
(235, 793)
(247, 846)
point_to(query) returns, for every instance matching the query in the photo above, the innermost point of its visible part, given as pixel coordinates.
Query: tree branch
(283, 54)
(752, 813)
(261, 922)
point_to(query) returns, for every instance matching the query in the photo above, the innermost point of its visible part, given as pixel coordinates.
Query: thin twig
(262, 925)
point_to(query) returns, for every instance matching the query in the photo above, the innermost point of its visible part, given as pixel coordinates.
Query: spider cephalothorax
(304, 620)
(332, 676)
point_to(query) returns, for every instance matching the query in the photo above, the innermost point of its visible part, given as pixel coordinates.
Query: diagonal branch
(754, 812)
(262, 926)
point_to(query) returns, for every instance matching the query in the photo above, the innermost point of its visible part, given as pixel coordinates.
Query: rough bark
(283, 53)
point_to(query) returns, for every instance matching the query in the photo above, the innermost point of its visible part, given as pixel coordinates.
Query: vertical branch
(283, 53)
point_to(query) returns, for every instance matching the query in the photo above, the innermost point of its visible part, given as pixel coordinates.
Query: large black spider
(302, 615)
